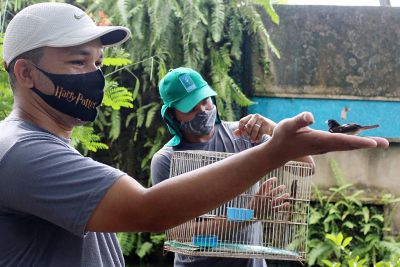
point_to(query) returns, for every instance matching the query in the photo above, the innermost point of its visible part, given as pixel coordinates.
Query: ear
(171, 113)
(24, 74)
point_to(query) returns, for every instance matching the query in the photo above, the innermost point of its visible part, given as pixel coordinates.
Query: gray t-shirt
(48, 192)
(223, 140)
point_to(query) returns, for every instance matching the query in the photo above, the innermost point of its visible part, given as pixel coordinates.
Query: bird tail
(371, 126)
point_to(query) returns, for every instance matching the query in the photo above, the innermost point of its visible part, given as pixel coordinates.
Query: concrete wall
(338, 53)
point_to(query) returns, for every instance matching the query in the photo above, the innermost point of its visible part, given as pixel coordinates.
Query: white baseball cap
(55, 25)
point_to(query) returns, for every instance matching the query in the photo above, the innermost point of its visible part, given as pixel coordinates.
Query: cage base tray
(229, 247)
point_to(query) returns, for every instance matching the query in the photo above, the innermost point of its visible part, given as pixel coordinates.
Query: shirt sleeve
(160, 166)
(46, 178)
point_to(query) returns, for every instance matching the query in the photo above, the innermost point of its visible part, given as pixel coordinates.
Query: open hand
(269, 198)
(255, 126)
(293, 138)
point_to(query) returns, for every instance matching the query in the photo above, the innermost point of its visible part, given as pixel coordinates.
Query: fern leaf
(129, 118)
(118, 62)
(137, 16)
(235, 33)
(117, 97)
(126, 242)
(257, 26)
(267, 5)
(159, 12)
(144, 249)
(177, 9)
(238, 95)
(153, 110)
(122, 8)
(140, 116)
(136, 89)
(271, 45)
(85, 136)
(115, 125)
(217, 20)
(162, 69)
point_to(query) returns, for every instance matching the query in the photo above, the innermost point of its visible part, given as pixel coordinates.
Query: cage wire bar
(250, 225)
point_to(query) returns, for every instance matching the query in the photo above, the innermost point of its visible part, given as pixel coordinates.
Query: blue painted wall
(365, 112)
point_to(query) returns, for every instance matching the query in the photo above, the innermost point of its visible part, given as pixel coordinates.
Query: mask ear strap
(41, 70)
(217, 119)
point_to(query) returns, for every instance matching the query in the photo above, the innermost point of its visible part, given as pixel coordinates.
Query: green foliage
(85, 137)
(140, 243)
(394, 261)
(341, 213)
(346, 258)
(270, 10)
(112, 61)
(6, 96)
(191, 33)
(116, 96)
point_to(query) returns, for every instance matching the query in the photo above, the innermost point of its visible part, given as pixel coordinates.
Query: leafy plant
(346, 258)
(343, 256)
(342, 212)
(140, 243)
(6, 96)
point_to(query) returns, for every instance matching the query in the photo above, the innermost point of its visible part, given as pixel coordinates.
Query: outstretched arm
(128, 206)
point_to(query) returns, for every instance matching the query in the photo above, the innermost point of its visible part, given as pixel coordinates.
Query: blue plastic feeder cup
(239, 214)
(209, 241)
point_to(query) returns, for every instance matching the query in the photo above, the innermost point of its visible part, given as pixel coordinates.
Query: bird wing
(346, 128)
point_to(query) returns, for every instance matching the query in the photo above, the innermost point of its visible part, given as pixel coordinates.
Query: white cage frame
(268, 233)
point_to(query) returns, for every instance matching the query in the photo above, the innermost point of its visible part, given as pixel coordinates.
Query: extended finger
(299, 121)
(284, 206)
(277, 190)
(381, 142)
(282, 199)
(243, 122)
(256, 132)
(266, 187)
(278, 200)
(326, 142)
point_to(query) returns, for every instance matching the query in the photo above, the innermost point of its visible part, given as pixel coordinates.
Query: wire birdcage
(251, 225)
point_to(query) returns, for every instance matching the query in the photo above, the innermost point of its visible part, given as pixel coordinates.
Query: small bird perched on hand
(351, 128)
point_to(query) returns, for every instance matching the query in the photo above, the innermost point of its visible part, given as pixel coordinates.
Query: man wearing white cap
(58, 208)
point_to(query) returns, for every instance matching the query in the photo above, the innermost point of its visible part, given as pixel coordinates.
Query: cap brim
(109, 36)
(189, 102)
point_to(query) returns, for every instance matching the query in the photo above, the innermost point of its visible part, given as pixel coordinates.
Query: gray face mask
(202, 124)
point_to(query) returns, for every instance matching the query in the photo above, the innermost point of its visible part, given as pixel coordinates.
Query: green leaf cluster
(142, 243)
(342, 212)
(201, 34)
(6, 96)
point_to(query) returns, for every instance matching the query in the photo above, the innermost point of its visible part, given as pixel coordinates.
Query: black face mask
(76, 95)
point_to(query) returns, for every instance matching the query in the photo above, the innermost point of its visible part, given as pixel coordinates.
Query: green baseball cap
(183, 89)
